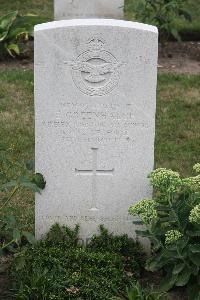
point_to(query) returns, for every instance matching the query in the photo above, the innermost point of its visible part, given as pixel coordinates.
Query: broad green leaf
(175, 34)
(166, 219)
(30, 165)
(13, 48)
(16, 33)
(7, 20)
(195, 258)
(168, 282)
(195, 248)
(9, 184)
(163, 208)
(28, 22)
(156, 244)
(156, 263)
(193, 233)
(186, 14)
(182, 243)
(32, 186)
(38, 179)
(178, 268)
(30, 237)
(194, 270)
(3, 35)
(171, 247)
(16, 235)
(183, 277)
(138, 223)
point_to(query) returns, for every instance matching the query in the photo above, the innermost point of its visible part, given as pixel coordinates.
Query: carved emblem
(95, 72)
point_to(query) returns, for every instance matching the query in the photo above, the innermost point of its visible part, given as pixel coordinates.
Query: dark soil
(25, 63)
(180, 58)
(4, 278)
(154, 278)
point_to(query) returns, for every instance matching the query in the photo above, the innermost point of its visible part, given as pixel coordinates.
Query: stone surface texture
(95, 101)
(75, 9)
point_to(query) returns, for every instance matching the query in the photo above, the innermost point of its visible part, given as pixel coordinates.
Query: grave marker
(95, 100)
(78, 9)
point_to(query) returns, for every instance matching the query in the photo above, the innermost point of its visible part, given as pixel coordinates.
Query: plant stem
(10, 196)
(6, 245)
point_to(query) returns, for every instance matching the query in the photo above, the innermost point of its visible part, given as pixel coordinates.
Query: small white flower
(145, 209)
(172, 236)
(194, 216)
(196, 167)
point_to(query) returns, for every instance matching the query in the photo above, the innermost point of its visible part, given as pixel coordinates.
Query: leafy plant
(161, 13)
(137, 292)
(59, 268)
(122, 245)
(13, 234)
(172, 221)
(15, 31)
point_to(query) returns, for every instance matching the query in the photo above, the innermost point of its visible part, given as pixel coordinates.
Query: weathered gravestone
(75, 9)
(95, 99)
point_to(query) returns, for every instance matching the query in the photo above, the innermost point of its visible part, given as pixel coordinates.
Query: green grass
(42, 8)
(58, 268)
(16, 111)
(177, 125)
(17, 131)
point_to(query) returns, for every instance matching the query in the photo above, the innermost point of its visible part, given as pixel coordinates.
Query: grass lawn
(44, 9)
(177, 127)
(17, 131)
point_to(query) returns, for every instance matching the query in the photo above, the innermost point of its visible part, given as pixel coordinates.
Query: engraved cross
(94, 172)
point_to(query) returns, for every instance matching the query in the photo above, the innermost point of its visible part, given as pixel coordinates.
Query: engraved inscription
(97, 123)
(94, 172)
(95, 72)
(83, 218)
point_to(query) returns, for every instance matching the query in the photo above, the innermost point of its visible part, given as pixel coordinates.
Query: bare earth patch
(180, 58)
(4, 278)
(14, 64)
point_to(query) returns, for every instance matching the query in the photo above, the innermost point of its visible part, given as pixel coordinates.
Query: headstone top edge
(95, 22)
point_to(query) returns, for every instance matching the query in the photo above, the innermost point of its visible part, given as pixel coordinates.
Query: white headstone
(78, 9)
(95, 100)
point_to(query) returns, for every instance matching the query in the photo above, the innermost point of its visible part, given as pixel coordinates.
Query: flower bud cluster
(192, 183)
(194, 216)
(145, 209)
(165, 180)
(172, 236)
(196, 167)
